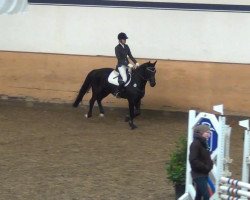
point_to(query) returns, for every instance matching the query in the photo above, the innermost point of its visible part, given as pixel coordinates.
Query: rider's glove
(130, 65)
(137, 65)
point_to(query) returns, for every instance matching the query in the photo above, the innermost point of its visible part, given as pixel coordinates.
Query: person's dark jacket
(199, 157)
(122, 55)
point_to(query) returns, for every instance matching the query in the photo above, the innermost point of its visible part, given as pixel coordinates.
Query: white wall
(162, 34)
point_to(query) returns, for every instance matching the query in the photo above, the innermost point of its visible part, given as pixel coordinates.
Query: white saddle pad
(113, 78)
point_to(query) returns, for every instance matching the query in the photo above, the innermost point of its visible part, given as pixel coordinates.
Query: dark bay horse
(97, 79)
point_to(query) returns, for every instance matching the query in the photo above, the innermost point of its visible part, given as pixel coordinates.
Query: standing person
(200, 161)
(122, 52)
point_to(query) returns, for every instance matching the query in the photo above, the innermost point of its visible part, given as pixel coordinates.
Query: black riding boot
(120, 88)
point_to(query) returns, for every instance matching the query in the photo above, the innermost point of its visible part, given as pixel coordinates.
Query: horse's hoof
(87, 115)
(75, 105)
(101, 115)
(133, 127)
(127, 118)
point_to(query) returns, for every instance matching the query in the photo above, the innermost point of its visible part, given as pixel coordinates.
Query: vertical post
(227, 158)
(246, 158)
(246, 151)
(220, 155)
(191, 118)
(189, 190)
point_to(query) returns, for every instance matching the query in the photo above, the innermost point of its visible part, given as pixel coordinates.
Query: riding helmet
(122, 36)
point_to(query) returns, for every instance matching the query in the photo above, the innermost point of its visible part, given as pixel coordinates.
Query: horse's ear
(155, 62)
(149, 62)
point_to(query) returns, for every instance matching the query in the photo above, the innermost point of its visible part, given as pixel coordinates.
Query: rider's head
(122, 37)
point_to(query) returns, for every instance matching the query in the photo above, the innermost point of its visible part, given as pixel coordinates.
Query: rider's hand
(130, 65)
(137, 65)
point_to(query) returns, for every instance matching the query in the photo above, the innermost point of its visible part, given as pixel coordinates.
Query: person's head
(203, 130)
(122, 37)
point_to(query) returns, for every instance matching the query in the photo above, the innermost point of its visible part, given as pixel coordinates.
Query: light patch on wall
(12, 6)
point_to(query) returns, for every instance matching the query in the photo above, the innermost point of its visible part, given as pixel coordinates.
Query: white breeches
(122, 71)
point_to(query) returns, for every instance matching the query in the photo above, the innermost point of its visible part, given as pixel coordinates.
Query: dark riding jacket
(122, 55)
(199, 157)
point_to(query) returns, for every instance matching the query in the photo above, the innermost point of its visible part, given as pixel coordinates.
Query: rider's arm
(130, 55)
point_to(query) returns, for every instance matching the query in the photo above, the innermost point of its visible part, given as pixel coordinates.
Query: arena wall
(181, 85)
(191, 31)
(201, 47)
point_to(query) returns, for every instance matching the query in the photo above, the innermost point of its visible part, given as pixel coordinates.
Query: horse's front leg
(132, 115)
(137, 110)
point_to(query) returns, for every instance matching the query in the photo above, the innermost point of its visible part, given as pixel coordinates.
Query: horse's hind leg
(91, 104)
(99, 101)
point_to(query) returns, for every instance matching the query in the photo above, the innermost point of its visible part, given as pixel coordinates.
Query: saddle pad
(113, 78)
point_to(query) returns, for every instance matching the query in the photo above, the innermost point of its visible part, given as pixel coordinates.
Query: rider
(122, 52)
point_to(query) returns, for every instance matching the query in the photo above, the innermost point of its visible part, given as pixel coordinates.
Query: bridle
(151, 69)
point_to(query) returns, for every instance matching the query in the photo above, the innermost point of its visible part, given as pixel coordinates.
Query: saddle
(114, 76)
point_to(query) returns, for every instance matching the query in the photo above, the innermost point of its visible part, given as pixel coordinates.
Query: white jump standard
(223, 186)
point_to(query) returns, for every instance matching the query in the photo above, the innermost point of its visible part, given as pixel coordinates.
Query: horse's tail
(84, 89)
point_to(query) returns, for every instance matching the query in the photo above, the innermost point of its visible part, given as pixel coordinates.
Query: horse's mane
(142, 66)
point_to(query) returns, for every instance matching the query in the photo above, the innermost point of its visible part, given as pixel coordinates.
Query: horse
(99, 80)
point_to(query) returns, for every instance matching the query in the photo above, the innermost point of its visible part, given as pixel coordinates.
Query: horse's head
(149, 72)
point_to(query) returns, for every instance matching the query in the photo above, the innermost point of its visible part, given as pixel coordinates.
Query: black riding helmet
(122, 36)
